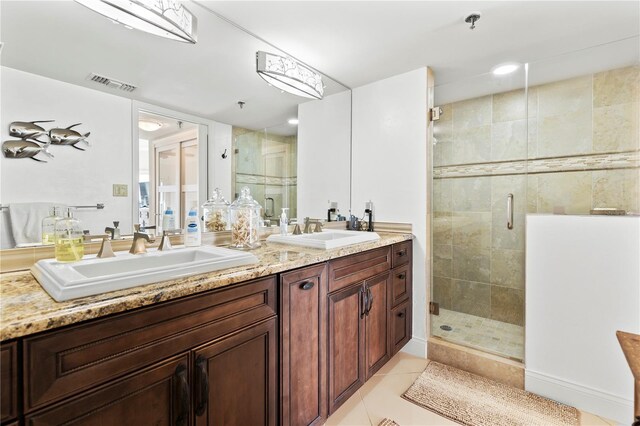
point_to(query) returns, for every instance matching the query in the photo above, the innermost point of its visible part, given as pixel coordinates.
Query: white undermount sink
(327, 239)
(65, 281)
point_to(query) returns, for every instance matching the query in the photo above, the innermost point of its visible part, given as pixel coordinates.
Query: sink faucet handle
(105, 249)
(165, 243)
(318, 227)
(110, 230)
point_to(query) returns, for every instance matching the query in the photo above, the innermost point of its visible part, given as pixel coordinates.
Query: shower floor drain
(446, 327)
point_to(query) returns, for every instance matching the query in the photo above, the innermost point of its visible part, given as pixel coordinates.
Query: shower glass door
(480, 152)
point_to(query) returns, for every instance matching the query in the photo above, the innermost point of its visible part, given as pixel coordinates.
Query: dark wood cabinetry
(287, 349)
(363, 331)
(158, 395)
(303, 328)
(235, 378)
(9, 381)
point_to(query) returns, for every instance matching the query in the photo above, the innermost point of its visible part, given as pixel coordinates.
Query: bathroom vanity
(285, 341)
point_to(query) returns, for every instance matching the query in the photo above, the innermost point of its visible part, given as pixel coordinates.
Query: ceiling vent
(112, 83)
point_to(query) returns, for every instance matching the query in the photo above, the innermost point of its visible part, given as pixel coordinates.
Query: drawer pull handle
(401, 276)
(307, 285)
(182, 392)
(370, 301)
(202, 388)
(401, 253)
(364, 302)
(401, 314)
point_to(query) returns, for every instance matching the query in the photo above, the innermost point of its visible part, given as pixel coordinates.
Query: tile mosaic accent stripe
(268, 180)
(619, 160)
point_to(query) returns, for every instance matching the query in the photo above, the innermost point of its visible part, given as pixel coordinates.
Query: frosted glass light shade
(289, 75)
(164, 18)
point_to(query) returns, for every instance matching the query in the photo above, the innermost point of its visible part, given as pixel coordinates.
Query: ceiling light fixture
(289, 75)
(293, 121)
(506, 68)
(164, 18)
(149, 126)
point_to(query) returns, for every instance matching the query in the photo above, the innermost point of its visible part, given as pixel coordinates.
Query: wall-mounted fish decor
(68, 137)
(27, 129)
(25, 149)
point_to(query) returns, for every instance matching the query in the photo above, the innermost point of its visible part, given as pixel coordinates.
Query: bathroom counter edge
(25, 308)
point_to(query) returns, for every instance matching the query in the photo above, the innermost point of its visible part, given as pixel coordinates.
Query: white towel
(26, 222)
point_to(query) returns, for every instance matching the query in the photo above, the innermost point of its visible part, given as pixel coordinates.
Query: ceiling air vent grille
(112, 83)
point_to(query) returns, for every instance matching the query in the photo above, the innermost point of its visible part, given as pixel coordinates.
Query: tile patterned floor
(380, 398)
(485, 334)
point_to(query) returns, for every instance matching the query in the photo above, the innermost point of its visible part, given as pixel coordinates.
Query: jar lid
(245, 200)
(216, 200)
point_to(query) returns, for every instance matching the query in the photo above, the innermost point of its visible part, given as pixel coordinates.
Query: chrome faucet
(139, 246)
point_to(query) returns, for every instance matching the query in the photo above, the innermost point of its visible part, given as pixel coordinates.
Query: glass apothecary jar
(245, 221)
(216, 213)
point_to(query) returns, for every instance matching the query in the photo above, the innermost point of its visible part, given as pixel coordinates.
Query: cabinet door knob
(202, 385)
(402, 252)
(183, 397)
(401, 276)
(307, 285)
(401, 314)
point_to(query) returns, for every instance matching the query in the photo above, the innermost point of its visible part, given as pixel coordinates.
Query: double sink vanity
(282, 339)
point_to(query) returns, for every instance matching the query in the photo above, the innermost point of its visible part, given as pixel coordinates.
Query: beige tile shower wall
(569, 129)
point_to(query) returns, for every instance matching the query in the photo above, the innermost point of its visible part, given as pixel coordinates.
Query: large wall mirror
(168, 121)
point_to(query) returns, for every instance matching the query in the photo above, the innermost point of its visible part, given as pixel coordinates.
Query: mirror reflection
(169, 122)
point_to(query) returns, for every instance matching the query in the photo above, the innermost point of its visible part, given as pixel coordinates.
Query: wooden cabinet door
(235, 380)
(8, 381)
(377, 322)
(346, 344)
(158, 395)
(303, 346)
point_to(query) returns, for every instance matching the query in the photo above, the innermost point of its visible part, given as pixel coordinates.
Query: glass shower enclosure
(479, 200)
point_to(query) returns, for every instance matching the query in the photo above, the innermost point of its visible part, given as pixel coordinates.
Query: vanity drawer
(401, 254)
(358, 267)
(61, 363)
(400, 284)
(401, 325)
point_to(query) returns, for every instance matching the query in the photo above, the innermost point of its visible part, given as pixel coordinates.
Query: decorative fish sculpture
(27, 129)
(68, 137)
(25, 149)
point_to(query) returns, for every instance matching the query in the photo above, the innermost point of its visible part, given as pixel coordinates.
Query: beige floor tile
(382, 398)
(352, 413)
(588, 419)
(403, 363)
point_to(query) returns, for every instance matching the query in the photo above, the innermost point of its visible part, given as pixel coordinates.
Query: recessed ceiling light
(149, 126)
(293, 121)
(506, 68)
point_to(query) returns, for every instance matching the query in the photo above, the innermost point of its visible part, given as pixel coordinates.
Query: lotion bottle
(192, 237)
(168, 220)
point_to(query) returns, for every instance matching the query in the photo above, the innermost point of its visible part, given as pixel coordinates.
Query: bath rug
(472, 400)
(388, 422)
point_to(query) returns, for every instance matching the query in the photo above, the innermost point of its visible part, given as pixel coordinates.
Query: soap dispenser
(49, 226)
(192, 237)
(284, 221)
(69, 240)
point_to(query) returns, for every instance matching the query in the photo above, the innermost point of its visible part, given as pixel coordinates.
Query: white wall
(583, 284)
(221, 176)
(323, 155)
(73, 177)
(390, 167)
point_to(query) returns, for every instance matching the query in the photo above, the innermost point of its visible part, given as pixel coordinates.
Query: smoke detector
(111, 82)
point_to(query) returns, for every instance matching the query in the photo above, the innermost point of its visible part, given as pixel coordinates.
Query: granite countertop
(25, 308)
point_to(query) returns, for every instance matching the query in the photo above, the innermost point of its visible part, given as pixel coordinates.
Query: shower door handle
(510, 211)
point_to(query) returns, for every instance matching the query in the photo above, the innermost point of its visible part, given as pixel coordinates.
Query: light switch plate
(120, 190)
